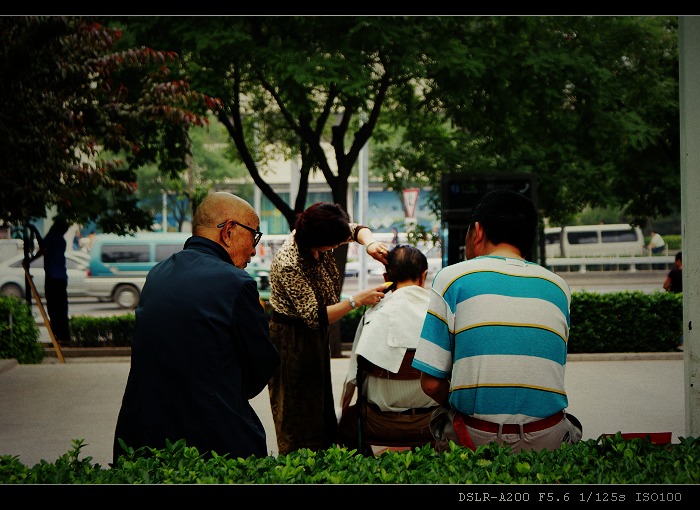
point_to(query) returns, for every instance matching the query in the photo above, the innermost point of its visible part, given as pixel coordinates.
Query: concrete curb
(96, 352)
(7, 364)
(88, 352)
(624, 356)
(123, 354)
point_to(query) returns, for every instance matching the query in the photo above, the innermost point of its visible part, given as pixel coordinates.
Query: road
(615, 281)
(89, 306)
(593, 281)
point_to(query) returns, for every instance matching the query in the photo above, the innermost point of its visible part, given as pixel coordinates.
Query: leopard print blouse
(302, 287)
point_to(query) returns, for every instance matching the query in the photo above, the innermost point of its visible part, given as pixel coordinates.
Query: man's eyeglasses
(256, 233)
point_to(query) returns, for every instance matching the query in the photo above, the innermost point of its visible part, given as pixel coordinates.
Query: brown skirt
(301, 392)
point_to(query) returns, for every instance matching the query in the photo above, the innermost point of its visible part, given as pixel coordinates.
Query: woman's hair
(322, 224)
(405, 262)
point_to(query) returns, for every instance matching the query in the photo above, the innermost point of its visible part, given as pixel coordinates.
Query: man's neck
(505, 250)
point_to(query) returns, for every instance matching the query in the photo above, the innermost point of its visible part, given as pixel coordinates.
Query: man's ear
(479, 238)
(478, 232)
(225, 234)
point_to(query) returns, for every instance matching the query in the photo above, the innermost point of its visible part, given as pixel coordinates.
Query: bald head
(219, 207)
(229, 211)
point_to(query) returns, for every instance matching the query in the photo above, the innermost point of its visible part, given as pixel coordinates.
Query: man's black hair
(507, 217)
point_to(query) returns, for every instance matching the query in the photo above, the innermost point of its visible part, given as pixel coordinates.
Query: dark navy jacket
(200, 351)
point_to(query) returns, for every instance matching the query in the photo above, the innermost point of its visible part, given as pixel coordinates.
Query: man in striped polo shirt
(494, 342)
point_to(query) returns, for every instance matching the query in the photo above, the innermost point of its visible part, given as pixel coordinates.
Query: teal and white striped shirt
(498, 328)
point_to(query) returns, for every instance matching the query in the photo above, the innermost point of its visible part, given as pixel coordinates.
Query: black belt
(286, 319)
(414, 411)
(513, 428)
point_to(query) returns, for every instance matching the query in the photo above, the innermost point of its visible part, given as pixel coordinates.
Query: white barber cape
(389, 328)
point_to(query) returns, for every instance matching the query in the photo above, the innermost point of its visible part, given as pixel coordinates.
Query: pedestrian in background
(674, 279)
(305, 288)
(201, 348)
(53, 249)
(674, 283)
(656, 243)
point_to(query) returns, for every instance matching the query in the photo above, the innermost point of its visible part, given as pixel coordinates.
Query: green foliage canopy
(588, 104)
(291, 86)
(77, 119)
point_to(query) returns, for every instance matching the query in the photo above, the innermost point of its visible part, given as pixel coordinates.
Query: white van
(594, 241)
(119, 265)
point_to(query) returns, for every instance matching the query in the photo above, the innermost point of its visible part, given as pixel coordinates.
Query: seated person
(397, 408)
(656, 243)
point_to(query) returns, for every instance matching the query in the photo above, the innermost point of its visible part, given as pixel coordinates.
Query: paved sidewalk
(44, 407)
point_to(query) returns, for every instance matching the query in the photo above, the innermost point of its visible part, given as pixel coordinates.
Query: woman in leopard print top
(305, 298)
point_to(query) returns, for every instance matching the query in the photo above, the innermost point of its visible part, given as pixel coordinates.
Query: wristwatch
(352, 302)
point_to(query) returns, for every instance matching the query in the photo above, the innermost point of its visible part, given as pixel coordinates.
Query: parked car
(376, 268)
(261, 274)
(12, 277)
(11, 247)
(352, 269)
(434, 255)
(80, 255)
(119, 265)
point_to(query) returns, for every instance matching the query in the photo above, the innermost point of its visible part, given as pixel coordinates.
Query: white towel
(390, 327)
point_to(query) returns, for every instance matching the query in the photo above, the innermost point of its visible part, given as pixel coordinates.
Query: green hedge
(113, 331)
(607, 460)
(19, 333)
(629, 321)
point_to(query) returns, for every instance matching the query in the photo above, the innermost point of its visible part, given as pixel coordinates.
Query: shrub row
(607, 460)
(629, 321)
(19, 333)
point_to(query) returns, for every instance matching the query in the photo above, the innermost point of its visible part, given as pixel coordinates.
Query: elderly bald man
(201, 347)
